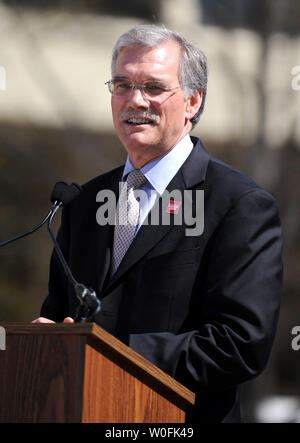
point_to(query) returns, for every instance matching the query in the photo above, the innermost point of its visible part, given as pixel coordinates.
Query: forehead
(162, 60)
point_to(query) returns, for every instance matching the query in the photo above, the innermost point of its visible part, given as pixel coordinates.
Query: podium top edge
(47, 328)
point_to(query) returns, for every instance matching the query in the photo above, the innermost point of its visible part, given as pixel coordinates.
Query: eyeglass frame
(140, 86)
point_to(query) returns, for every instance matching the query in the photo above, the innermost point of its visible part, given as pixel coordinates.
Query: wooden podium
(80, 373)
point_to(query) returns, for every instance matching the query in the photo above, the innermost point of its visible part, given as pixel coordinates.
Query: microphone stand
(89, 303)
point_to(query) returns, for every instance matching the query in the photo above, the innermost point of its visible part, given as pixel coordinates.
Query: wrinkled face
(150, 126)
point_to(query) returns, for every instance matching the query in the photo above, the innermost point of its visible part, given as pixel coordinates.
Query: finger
(68, 320)
(42, 320)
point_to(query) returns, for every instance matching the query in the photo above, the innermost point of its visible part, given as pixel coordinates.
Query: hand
(47, 320)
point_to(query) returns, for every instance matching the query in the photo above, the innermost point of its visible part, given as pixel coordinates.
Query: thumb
(68, 320)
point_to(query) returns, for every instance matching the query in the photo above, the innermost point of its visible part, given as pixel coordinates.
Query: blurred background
(55, 124)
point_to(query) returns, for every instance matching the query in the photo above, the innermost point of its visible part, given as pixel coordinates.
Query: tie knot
(135, 179)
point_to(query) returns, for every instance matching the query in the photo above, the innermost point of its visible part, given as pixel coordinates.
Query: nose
(137, 97)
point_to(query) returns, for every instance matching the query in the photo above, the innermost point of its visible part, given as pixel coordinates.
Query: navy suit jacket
(203, 308)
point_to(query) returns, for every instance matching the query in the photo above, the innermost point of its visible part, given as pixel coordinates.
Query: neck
(140, 160)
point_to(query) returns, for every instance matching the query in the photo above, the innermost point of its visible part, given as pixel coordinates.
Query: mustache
(138, 114)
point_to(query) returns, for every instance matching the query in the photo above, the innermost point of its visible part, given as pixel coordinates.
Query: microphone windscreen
(65, 193)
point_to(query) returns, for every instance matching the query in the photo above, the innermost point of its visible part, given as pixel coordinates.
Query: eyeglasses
(150, 90)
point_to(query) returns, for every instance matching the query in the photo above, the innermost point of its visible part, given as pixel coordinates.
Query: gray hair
(193, 64)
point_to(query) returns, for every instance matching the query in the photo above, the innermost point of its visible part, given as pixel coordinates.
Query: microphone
(63, 194)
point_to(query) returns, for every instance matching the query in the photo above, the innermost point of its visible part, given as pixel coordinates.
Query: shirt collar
(160, 171)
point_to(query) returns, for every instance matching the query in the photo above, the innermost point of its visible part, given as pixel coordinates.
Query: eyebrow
(151, 79)
(119, 77)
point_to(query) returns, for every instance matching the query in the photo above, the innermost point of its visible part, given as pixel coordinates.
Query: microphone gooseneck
(24, 234)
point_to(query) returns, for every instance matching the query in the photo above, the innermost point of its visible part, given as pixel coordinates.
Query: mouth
(139, 121)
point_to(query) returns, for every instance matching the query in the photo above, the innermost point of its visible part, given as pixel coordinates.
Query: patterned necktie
(127, 217)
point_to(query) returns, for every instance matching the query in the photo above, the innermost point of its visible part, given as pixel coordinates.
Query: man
(203, 306)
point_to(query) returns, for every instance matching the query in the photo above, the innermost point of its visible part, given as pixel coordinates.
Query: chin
(136, 142)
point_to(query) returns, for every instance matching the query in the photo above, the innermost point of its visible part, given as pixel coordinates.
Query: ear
(193, 104)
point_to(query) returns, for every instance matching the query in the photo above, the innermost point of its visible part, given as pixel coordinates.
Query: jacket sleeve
(239, 303)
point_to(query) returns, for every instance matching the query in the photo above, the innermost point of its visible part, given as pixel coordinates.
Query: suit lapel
(104, 237)
(189, 175)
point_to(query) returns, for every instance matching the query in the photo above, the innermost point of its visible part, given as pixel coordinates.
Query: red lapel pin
(173, 207)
